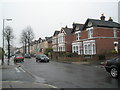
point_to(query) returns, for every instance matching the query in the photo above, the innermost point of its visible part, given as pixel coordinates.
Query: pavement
(84, 62)
(11, 64)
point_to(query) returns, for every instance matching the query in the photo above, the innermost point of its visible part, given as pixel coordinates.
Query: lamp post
(3, 39)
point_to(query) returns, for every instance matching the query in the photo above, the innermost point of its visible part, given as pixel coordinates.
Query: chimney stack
(102, 17)
(110, 19)
(66, 26)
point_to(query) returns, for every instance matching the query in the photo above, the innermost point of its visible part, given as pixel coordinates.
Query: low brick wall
(57, 56)
(71, 58)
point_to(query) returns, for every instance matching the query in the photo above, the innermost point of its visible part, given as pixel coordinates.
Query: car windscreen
(19, 56)
(41, 55)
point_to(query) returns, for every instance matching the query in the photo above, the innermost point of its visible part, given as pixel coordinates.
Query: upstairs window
(78, 36)
(115, 32)
(90, 32)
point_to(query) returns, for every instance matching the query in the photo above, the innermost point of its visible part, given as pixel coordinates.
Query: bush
(47, 51)
(113, 52)
(67, 54)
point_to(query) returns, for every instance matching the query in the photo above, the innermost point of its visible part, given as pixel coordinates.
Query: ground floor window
(77, 48)
(61, 48)
(89, 47)
(55, 48)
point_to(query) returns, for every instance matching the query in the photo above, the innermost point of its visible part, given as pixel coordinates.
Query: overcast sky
(46, 16)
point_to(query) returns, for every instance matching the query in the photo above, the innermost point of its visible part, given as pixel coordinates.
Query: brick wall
(103, 32)
(104, 46)
(84, 35)
(68, 43)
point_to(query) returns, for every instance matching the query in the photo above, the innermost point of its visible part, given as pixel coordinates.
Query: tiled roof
(77, 27)
(48, 39)
(56, 33)
(101, 23)
(68, 31)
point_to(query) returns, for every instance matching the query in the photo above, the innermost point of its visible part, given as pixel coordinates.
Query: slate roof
(101, 23)
(77, 25)
(48, 39)
(68, 31)
(56, 33)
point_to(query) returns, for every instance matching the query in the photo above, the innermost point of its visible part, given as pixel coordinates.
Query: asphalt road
(31, 74)
(64, 75)
(14, 76)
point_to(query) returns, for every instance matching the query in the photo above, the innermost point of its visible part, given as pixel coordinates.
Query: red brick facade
(95, 37)
(68, 43)
(102, 40)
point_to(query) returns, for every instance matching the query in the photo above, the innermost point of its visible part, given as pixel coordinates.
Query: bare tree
(24, 40)
(27, 37)
(30, 36)
(8, 33)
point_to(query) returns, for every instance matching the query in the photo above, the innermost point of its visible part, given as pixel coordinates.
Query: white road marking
(50, 85)
(17, 69)
(22, 69)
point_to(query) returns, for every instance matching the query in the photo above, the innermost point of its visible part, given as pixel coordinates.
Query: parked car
(18, 58)
(27, 56)
(34, 55)
(42, 57)
(113, 67)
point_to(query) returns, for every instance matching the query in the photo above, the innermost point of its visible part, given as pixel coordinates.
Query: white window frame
(89, 47)
(90, 32)
(77, 35)
(115, 32)
(61, 38)
(77, 48)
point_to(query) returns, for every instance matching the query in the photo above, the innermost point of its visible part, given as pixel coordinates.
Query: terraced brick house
(97, 37)
(76, 44)
(55, 41)
(65, 38)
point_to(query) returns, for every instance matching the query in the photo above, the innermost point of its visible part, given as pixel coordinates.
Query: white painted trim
(99, 38)
(63, 31)
(106, 37)
(76, 43)
(77, 32)
(89, 41)
(89, 28)
(115, 42)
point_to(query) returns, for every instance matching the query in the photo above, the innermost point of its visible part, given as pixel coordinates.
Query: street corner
(31, 85)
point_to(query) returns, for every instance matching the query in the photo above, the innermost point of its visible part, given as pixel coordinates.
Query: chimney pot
(102, 17)
(110, 19)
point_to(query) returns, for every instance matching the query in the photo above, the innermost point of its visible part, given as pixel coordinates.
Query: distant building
(55, 41)
(38, 46)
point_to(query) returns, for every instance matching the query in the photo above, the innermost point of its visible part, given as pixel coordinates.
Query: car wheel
(114, 72)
